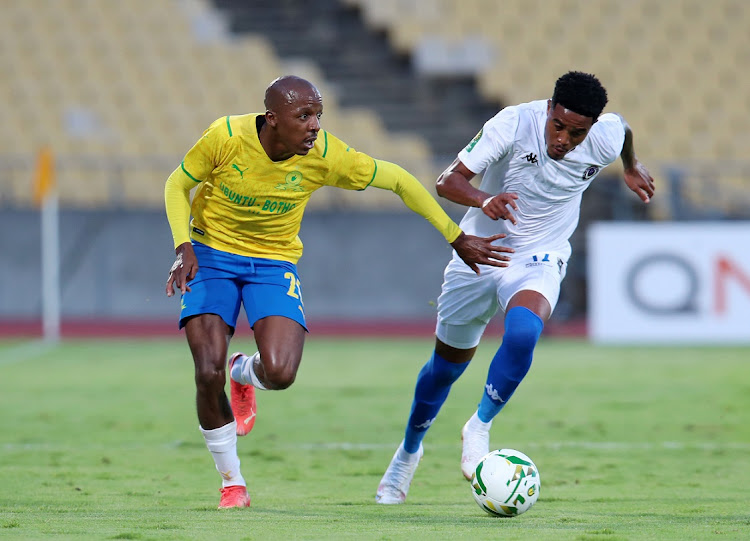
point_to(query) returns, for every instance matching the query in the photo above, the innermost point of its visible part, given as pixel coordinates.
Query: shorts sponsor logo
(537, 262)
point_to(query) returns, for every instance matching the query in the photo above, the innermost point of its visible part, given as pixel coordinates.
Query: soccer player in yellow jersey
(255, 174)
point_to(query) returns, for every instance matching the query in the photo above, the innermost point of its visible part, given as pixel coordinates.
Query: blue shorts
(266, 287)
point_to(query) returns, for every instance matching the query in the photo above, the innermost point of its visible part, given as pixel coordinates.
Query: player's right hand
(183, 269)
(496, 207)
(476, 251)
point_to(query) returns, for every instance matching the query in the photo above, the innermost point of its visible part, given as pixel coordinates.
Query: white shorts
(468, 302)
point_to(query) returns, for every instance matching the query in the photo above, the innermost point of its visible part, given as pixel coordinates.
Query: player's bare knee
(209, 370)
(208, 376)
(454, 355)
(280, 379)
(278, 375)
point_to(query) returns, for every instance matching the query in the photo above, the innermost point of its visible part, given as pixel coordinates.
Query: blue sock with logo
(433, 385)
(511, 362)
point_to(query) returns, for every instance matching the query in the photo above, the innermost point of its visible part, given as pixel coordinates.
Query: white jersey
(512, 153)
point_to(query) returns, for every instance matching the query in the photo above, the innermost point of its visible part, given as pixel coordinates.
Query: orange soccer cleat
(242, 400)
(234, 496)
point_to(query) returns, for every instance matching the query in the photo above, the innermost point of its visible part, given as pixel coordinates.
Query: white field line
(592, 445)
(25, 351)
(350, 446)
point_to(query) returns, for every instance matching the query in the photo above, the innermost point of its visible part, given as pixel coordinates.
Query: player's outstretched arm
(454, 184)
(476, 251)
(177, 203)
(637, 177)
(472, 250)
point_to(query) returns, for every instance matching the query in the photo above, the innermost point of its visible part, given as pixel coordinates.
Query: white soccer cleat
(475, 444)
(395, 482)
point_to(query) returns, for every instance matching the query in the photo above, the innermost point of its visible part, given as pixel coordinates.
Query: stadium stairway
(366, 71)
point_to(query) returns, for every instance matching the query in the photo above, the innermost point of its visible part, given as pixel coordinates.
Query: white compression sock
(475, 423)
(222, 442)
(243, 371)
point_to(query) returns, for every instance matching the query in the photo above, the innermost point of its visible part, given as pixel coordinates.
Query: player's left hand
(496, 207)
(639, 180)
(480, 251)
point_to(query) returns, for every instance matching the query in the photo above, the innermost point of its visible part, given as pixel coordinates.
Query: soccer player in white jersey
(537, 160)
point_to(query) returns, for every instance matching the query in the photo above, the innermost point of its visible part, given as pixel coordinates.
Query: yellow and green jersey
(249, 205)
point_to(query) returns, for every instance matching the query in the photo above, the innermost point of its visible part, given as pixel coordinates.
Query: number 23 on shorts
(294, 286)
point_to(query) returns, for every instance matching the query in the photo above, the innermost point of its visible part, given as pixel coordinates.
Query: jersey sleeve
(607, 136)
(206, 153)
(177, 203)
(348, 168)
(415, 196)
(493, 141)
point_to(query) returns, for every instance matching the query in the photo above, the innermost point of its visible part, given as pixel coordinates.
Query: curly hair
(580, 92)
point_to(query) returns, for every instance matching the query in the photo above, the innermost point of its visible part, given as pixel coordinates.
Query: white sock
(222, 442)
(405, 456)
(477, 425)
(244, 373)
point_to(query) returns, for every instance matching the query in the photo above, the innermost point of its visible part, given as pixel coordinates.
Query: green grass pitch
(100, 440)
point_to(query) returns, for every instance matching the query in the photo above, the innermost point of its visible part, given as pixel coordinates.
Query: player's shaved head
(290, 89)
(292, 120)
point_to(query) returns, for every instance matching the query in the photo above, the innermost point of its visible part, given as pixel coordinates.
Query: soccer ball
(505, 483)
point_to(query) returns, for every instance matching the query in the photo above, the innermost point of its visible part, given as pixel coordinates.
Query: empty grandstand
(120, 90)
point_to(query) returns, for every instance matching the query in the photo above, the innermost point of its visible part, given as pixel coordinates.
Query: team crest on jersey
(474, 141)
(292, 182)
(590, 172)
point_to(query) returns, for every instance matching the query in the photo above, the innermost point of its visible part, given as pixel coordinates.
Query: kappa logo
(492, 393)
(292, 182)
(531, 158)
(427, 424)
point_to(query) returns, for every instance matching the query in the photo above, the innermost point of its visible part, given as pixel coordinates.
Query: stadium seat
(679, 71)
(120, 82)
(127, 78)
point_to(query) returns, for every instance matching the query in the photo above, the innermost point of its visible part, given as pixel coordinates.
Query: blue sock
(511, 362)
(433, 385)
